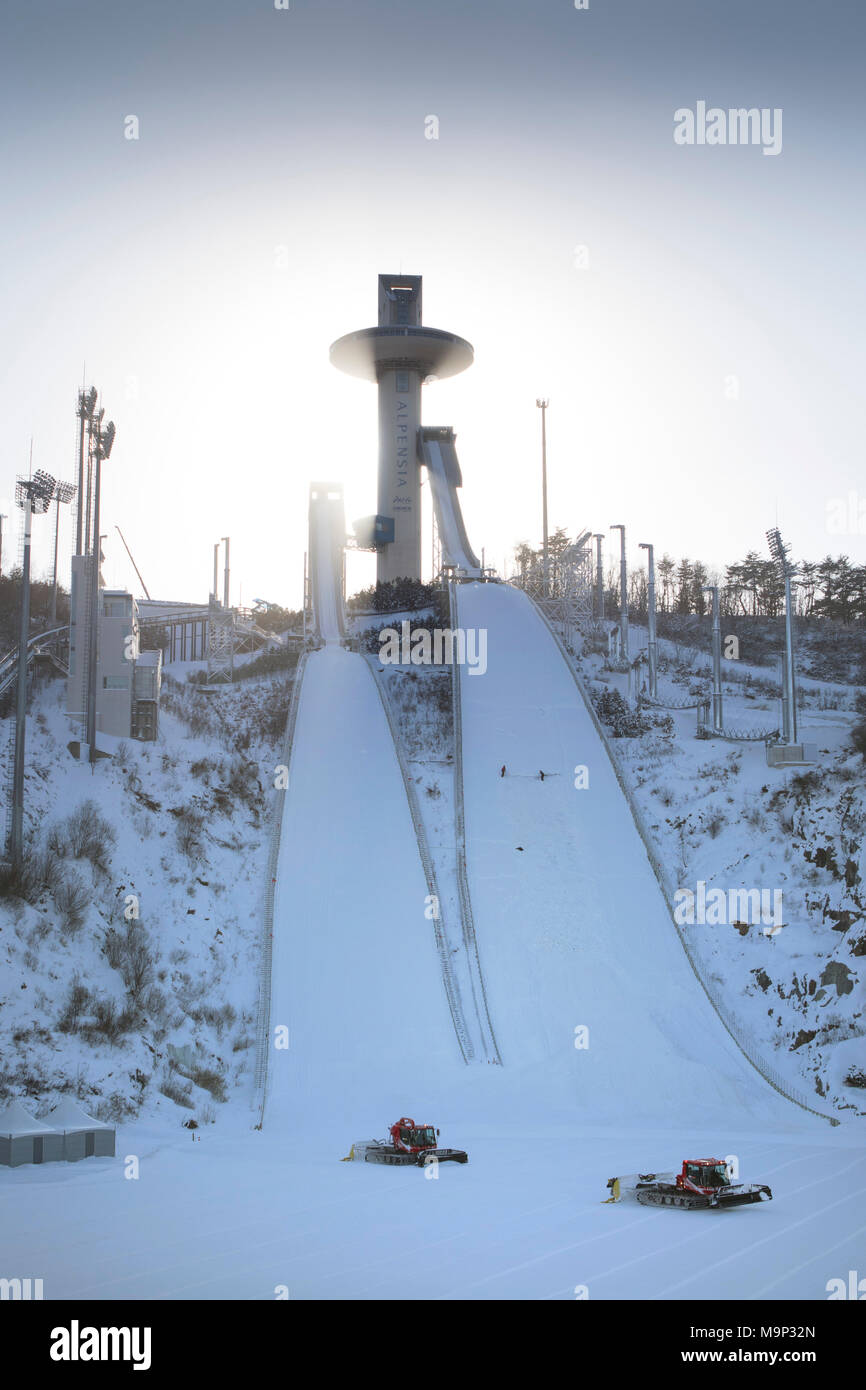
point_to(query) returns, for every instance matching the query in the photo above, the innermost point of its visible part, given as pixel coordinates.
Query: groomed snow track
(594, 997)
(352, 886)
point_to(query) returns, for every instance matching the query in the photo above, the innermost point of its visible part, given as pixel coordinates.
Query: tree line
(751, 587)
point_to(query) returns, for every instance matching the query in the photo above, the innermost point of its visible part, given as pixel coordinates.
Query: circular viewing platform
(372, 351)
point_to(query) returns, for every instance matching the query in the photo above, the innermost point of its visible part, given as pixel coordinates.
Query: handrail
(9, 663)
(33, 642)
(740, 1036)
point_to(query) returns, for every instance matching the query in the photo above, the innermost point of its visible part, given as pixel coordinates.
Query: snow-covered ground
(613, 1059)
(181, 884)
(720, 816)
(244, 1215)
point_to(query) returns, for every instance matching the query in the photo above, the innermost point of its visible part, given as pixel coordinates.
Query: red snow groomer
(703, 1182)
(410, 1144)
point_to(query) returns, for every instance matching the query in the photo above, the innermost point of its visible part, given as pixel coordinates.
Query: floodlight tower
(652, 645)
(101, 444)
(85, 413)
(32, 495)
(400, 355)
(779, 552)
(623, 593)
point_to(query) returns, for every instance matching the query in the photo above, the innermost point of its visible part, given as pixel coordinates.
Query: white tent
(83, 1137)
(24, 1139)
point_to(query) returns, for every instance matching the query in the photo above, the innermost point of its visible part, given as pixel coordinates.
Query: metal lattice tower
(220, 645)
(570, 601)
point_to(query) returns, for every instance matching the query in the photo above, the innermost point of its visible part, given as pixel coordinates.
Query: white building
(127, 680)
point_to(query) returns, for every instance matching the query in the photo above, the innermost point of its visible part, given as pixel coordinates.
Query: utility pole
(652, 646)
(623, 593)
(3, 517)
(542, 406)
(216, 582)
(599, 575)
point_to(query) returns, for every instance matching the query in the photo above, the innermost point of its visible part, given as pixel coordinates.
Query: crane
(134, 565)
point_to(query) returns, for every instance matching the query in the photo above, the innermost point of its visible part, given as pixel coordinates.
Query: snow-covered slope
(356, 975)
(573, 931)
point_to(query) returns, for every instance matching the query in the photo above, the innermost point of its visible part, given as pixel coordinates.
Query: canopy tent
(24, 1139)
(83, 1137)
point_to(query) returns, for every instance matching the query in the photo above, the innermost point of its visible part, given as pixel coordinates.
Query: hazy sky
(202, 271)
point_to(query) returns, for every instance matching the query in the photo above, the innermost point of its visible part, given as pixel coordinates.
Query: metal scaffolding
(220, 645)
(565, 591)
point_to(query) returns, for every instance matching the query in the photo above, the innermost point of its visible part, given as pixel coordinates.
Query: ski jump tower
(400, 355)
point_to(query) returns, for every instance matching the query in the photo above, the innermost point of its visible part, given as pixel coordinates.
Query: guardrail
(260, 1084)
(9, 663)
(740, 1036)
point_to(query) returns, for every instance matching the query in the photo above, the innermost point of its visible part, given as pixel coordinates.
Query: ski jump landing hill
(356, 977)
(594, 1005)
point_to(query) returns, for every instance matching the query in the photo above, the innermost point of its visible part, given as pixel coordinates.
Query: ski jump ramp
(327, 537)
(594, 999)
(597, 1011)
(436, 446)
(355, 978)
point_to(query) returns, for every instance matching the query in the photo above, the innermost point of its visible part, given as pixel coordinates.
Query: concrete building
(127, 680)
(400, 355)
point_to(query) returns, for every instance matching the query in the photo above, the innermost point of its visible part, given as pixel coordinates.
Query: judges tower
(401, 355)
